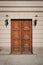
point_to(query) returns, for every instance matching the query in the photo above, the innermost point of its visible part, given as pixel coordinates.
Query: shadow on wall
(38, 50)
(4, 50)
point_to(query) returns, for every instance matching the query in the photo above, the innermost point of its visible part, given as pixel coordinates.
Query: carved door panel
(21, 36)
(15, 37)
(26, 36)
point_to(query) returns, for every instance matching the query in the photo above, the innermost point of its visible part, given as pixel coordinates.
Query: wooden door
(26, 36)
(21, 36)
(15, 36)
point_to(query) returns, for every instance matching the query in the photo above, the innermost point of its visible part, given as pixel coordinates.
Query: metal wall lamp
(6, 21)
(35, 22)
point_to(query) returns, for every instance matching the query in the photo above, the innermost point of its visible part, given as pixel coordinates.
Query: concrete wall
(21, 10)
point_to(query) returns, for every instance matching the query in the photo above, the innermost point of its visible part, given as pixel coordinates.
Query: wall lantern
(35, 22)
(6, 21)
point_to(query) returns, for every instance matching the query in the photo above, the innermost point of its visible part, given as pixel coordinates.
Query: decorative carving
(26, 37)
(16, 37)
(26, 28)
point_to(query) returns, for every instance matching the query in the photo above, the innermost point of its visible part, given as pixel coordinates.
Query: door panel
(21, 36)
(16, 46)
(16, 25)
(26, 24)
(16, 37)
(26, 36)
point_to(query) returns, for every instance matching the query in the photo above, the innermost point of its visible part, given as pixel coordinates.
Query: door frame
(31, 34)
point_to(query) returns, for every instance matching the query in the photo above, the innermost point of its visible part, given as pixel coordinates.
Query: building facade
(25, 10)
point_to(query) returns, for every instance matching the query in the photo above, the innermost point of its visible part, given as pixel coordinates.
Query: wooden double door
(21, 36)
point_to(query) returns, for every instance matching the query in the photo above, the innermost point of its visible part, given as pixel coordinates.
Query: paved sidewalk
(21, 59)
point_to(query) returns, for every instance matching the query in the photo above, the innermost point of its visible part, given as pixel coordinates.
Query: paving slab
(21, 59)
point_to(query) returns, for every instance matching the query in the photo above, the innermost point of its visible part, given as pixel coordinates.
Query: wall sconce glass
(35, 22)
(6, 21)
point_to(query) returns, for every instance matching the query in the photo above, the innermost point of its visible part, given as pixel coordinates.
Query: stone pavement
(21, 59)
